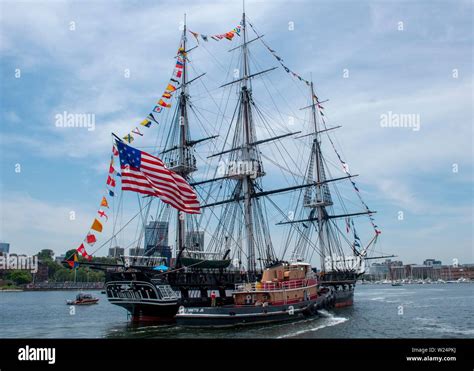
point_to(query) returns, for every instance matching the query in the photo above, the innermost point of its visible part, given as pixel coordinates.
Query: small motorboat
(83, 299)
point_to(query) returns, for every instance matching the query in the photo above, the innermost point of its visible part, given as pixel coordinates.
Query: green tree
(63, 274)
(96, 276)
(46, 254)
(20, 277)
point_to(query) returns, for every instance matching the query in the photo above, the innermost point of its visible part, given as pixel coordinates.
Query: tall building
(195, 240)
(156, 234)
(161, 251)
(136, 251)
(116, 252)
(165, 252)
(4, 248)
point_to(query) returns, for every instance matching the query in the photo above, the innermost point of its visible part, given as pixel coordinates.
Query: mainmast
(250, 232)
(247, 185)
(186, 160)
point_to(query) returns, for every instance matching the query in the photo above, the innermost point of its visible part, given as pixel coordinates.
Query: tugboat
(83, 299)
(286, 292)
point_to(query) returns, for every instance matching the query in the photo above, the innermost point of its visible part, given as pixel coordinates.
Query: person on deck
(213, 299)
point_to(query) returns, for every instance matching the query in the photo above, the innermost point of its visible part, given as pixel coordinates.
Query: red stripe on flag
(153, 178)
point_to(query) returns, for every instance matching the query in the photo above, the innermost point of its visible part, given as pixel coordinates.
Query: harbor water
(379, 311)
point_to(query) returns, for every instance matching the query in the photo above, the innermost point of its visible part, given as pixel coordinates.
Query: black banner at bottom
(221, 354)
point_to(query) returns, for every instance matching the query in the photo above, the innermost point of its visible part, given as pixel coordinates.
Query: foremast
(185, 162)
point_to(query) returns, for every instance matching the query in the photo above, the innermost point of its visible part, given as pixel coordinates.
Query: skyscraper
(116, 252)
(136, 251)
(195, 240)
(4, 248)
(156, 234)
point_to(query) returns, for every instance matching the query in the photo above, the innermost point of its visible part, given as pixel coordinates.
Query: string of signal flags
(163, 102)
(102, 217)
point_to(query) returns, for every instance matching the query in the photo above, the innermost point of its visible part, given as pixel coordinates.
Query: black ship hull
(155, 297)
(232, 315)
(345, 298)
(143, 299)
(343, 285)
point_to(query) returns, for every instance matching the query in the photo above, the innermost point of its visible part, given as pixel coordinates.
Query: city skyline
(395, 259)
(419, 181)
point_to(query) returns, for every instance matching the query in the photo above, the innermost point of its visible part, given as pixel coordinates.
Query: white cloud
(90, 61)
(23, 217)
(30, 224)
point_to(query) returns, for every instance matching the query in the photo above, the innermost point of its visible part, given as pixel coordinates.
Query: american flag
(147, 174)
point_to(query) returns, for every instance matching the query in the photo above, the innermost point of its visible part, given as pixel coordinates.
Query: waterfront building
(398, 272)
(431, 269)
(450, 273)
(420, 271)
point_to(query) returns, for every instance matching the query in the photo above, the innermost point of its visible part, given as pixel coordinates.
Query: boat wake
(435, 325)
(384, 299)
(328, 320)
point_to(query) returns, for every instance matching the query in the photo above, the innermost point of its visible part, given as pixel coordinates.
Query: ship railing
(274, 286)
(201, 254)
(166, 292)
(141, 260)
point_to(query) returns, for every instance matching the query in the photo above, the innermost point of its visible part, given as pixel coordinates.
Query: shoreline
(358, 284)
(71, 289)
(62, 289)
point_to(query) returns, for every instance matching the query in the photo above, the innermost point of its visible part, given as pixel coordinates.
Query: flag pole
(116, 137)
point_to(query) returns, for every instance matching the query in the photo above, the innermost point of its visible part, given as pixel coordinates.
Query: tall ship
(258, 178)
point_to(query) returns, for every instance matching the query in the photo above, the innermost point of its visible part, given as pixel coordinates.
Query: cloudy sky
(367, 57)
